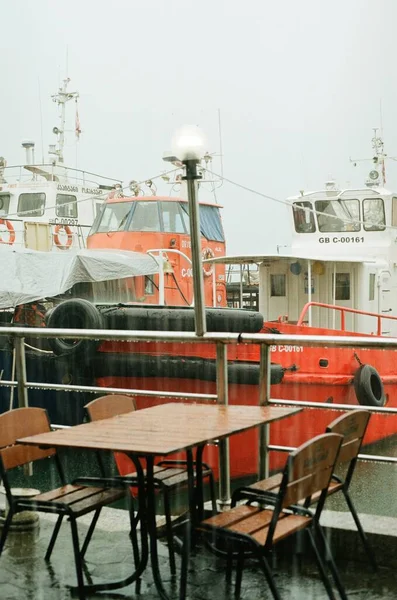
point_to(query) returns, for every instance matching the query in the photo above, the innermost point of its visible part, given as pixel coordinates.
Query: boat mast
(377, 175)
(61, 98)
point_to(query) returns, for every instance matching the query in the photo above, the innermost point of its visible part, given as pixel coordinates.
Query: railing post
(161, 279)
(264, 397)
(20, 367)
(224, 455)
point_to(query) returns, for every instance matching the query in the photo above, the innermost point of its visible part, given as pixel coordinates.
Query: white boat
(49, 205)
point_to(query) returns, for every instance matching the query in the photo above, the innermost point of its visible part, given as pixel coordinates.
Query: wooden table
(159, 431)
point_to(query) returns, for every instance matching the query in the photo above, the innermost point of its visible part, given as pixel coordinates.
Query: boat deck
(24, 574)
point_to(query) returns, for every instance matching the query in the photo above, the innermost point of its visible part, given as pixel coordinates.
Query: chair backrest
(309, 469)
(352, 426)
(20, 423)
(109, 406)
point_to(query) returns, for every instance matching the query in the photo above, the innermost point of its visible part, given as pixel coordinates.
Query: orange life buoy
(11, 231)
(57, 241)
(208, 268)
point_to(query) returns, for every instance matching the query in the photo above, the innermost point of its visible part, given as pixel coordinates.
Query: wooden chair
(70, 500)
(256, 529)
(169, 475)
(352, 426)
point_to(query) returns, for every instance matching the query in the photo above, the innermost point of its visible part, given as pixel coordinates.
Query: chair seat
(254, 522)
(77, 499)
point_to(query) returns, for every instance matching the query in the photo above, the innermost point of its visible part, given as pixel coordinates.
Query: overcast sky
(299, 84)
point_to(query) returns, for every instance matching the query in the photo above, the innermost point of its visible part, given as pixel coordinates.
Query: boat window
(394, 212)
(66, 206)
(342, 286)
(145, 217)
(278, 285)
(371, 295)
(374, 214)
(31, 205)
(4, 204)
(149, 285)
(112, 218)
(338, 215)
(210, 222)
(173, 217)
(303, 218)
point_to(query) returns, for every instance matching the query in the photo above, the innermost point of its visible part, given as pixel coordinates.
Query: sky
(299, 86)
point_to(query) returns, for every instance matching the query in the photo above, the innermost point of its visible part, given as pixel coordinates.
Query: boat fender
(76, 313)
(11, 232)
(208, 268)
(368, 386)
(57, 241)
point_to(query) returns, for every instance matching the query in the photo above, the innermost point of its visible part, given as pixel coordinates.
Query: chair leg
(6, 528)
(269, 576)
(77, 558)
(211, 482)
(239, 573)
(331, 563)
(185, 561)
(90, 531)
(134, 538)
(321, 566)
(361, 532)
(229, 566)
(169, 533)
(54, 537)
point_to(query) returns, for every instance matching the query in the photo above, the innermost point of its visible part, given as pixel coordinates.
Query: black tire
(164, 318)
(369, 387)
(74, 314)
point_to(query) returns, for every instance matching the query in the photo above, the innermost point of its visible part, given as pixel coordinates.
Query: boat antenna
(377, 174)
(61, 98)
(220, 140)
(41, 123)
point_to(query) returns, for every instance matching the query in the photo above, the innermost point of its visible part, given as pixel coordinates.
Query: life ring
(208, 268)
(76, 313)
(368, 386)
(11, 232)
(57, 241)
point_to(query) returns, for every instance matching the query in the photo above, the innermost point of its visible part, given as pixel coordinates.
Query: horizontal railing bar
(188, 336)
(333, 406)
(115, 390)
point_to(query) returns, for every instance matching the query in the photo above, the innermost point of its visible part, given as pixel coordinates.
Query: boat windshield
(338, 215)
(157, 216)
(303, 217)
(374, 214)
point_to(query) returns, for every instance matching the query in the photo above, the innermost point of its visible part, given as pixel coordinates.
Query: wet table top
(162, 429)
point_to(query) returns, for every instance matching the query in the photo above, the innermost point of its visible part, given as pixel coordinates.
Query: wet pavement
(24, 574)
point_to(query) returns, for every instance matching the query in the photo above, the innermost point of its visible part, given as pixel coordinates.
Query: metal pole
(264, 397)
(195, 238)
(23, 401)
(241, 286)
(309, 288)
(161, 279)
(224, 454)
(20, 366)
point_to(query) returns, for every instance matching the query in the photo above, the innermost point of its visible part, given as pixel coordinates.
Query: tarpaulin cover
(28, 275)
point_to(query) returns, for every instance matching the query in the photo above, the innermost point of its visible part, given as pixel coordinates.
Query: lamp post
(188, 147)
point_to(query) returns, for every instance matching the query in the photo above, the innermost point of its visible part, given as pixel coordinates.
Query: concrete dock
(24, 574)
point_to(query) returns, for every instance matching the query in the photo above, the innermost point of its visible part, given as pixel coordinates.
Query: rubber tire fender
(76, 313)
(368, 386)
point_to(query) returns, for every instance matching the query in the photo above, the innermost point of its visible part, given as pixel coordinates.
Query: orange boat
(342, 256)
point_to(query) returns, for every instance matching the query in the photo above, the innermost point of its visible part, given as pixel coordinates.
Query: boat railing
(161, 258)
(343, 310)
(53, 172)
(222, 341)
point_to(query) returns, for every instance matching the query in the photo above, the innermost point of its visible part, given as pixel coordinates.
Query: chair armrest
(247, 493)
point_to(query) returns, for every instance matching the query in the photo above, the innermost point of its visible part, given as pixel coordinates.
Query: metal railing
(222, 340)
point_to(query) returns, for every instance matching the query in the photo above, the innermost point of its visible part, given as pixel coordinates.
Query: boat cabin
(340, 268)
(159, 225)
